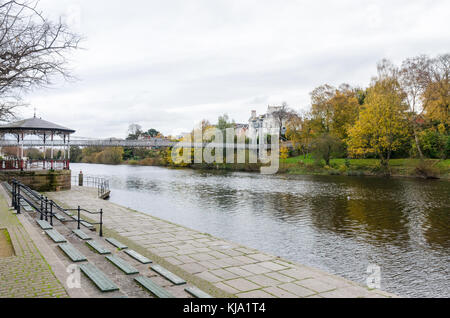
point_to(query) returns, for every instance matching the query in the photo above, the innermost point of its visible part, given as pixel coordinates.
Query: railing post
(79, 227)
(101, 222)
(80, 179)
(13, 196)
(51, 212)
(46, 208)
(18, 199)
(42, 206)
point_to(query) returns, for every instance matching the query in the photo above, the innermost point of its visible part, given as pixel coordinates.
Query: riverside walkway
(219, 267)
(24, 273)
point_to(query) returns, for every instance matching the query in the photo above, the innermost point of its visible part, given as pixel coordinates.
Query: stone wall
(41, 181)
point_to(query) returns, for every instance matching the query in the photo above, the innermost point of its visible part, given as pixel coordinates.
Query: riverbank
(219, 267)
(430, 168)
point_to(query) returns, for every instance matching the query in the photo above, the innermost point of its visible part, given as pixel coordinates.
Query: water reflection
(338, 224)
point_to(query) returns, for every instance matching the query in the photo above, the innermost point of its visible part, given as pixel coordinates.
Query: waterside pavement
(220, 267)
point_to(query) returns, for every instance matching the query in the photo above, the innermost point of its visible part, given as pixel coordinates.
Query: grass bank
(429, 168)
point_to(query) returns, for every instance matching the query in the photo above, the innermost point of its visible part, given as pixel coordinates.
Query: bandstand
(49, 173)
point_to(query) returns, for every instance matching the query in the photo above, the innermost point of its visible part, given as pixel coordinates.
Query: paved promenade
(220, 267)
(25, 274)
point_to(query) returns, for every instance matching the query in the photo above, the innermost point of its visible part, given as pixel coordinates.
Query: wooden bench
(122, 265)
(98, 277)
(44, 225)
(116, 243)
(168, 275)
(98, 247)
(82, 235)
(140, 258)
(156, 290)
(72, 253)
(55, 236)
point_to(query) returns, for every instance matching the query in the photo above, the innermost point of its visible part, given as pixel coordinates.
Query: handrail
(47, 207)
(101, 184)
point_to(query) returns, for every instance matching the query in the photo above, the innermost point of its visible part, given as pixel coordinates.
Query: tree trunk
(416, 139)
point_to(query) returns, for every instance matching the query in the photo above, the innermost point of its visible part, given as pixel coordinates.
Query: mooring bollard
(80, 179)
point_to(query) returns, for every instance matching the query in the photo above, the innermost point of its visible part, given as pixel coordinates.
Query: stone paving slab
(227, 266)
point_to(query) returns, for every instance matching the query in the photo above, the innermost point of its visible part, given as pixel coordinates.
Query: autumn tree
(382, 124)
(300, 132)
(436, 97)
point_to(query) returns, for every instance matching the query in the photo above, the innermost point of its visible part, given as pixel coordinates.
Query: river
(334, 223)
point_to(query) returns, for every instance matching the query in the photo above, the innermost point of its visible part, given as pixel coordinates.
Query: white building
(267, 122)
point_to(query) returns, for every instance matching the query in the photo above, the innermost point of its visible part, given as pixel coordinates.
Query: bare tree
(414, 78)
(281, 115)
(32, 51)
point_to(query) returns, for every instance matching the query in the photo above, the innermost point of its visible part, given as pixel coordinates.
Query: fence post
(51, 212)
(79, 227)
(80, 179)
(101, 222)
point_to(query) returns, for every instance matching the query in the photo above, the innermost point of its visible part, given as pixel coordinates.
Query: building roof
(35, 124)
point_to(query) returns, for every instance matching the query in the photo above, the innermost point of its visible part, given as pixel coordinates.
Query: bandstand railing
(25, 165)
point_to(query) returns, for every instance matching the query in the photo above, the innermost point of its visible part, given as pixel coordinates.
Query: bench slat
(98, 247)
(122, 265)
(116, 243)
(142, 259)
(44, 225)
(168, 275)
(82, 235)
(55, 236)
(156, 290)
(98, 277)
(72, 253)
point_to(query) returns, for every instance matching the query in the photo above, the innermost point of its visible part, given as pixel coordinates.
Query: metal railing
(48, 208)
(26, 165)
(101, 184)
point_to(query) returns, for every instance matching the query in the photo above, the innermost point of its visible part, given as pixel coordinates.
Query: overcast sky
(169, 64)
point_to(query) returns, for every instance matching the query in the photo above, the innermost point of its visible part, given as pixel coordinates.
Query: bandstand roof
(35, 125)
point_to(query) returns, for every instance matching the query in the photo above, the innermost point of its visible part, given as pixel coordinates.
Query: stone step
(44, 225)
(116, 243)
(82, 235)
(98, 277)
(55, 236)
(156, 290)
(142, 259)
(197, 293)
(122, 265)
(98, 247)
(72, 252)
(168, 275)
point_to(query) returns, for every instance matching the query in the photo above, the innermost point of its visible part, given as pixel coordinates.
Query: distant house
(267, 122)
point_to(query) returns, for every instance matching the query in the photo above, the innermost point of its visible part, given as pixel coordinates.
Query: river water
(337, 224)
